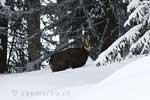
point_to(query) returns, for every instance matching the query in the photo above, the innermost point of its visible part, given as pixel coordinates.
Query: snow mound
(119, 81)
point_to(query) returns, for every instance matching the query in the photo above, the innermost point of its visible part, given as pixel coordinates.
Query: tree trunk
(107, 31)
(62, 36)
(33, 26)
(3, 44)
(120, 10)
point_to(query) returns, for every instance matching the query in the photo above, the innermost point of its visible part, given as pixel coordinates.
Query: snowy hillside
(119, 81)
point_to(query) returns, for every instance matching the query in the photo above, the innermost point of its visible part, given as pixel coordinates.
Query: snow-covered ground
(128, 80)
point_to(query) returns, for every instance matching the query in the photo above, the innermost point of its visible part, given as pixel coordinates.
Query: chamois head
(71, 57)
(87, 45)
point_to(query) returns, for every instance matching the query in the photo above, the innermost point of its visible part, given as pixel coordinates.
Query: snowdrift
(118, 81)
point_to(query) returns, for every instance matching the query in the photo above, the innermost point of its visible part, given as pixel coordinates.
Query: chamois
(71, 57)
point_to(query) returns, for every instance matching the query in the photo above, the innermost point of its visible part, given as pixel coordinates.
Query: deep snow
(128, 80)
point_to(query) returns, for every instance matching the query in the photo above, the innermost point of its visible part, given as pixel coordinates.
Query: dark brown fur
(69, 58)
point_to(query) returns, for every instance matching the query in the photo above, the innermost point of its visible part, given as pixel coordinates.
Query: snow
(127, 80)
(133, 4)
(2, 2)
(139, 11)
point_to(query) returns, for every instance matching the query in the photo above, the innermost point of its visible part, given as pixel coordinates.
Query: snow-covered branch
(140, 11)
(143, 44)
(114, 52)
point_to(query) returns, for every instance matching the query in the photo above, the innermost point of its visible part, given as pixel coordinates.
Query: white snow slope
(119, 81)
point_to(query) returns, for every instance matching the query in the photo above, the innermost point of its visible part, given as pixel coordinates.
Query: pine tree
(136, 40)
